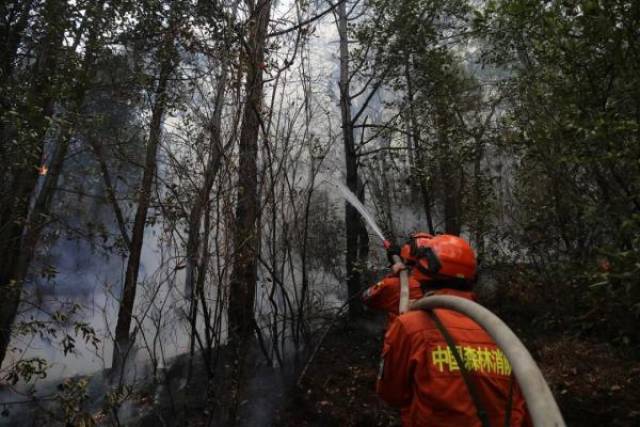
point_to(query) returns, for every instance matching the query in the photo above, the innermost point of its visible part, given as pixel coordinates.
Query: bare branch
(307, 21)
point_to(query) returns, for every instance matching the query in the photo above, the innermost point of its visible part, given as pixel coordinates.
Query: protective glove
(392, 250)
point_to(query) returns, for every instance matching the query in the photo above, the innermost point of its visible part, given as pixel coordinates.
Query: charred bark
(245, 235)
(353, 226)
(243, 281)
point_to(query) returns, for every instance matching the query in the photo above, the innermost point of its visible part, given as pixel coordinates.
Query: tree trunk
(16, 209)
(352, 219)
(451, 186)
(211, 170)
(11, 36)
(39, 212)
(363, 245)
(479, 220)
(243, 280)
(193, 240)
(420, 171)
(122, 342)
(246, 239)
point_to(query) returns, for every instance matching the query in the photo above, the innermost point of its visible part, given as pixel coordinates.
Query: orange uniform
(385, 295)
(420, 374)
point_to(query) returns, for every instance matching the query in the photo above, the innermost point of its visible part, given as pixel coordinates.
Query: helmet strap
(428, 254)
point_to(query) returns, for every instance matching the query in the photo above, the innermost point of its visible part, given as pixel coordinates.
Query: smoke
(92, 278)
(264, 392)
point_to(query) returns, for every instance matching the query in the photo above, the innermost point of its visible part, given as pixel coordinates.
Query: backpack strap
(471, 387)
(509, 408)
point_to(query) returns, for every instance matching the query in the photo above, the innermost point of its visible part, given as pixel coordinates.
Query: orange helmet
(441, 256)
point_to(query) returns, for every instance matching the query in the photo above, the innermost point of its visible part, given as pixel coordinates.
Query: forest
(176, 243)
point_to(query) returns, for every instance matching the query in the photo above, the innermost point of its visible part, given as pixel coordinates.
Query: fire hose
(542, 406)
(404, 286)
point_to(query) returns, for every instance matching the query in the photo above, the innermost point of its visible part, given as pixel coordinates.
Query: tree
(246, 237)
(355, 235)
(572, 97)
(167, 58)
(27, 115)
(407, 49)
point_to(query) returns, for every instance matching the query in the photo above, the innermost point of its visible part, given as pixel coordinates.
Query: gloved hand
(392, 250)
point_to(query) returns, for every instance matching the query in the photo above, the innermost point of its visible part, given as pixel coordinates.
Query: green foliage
(617, 272)
(413, 46)
(573, 123)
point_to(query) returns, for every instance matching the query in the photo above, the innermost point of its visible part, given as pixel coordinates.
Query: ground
(338, 387)
(595, 383)
(594, 377)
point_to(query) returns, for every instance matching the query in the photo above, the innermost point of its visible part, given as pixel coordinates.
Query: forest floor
(338, 387)
(594, 382)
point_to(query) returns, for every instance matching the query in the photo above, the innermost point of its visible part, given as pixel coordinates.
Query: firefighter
(385, 295)
(420, 371)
